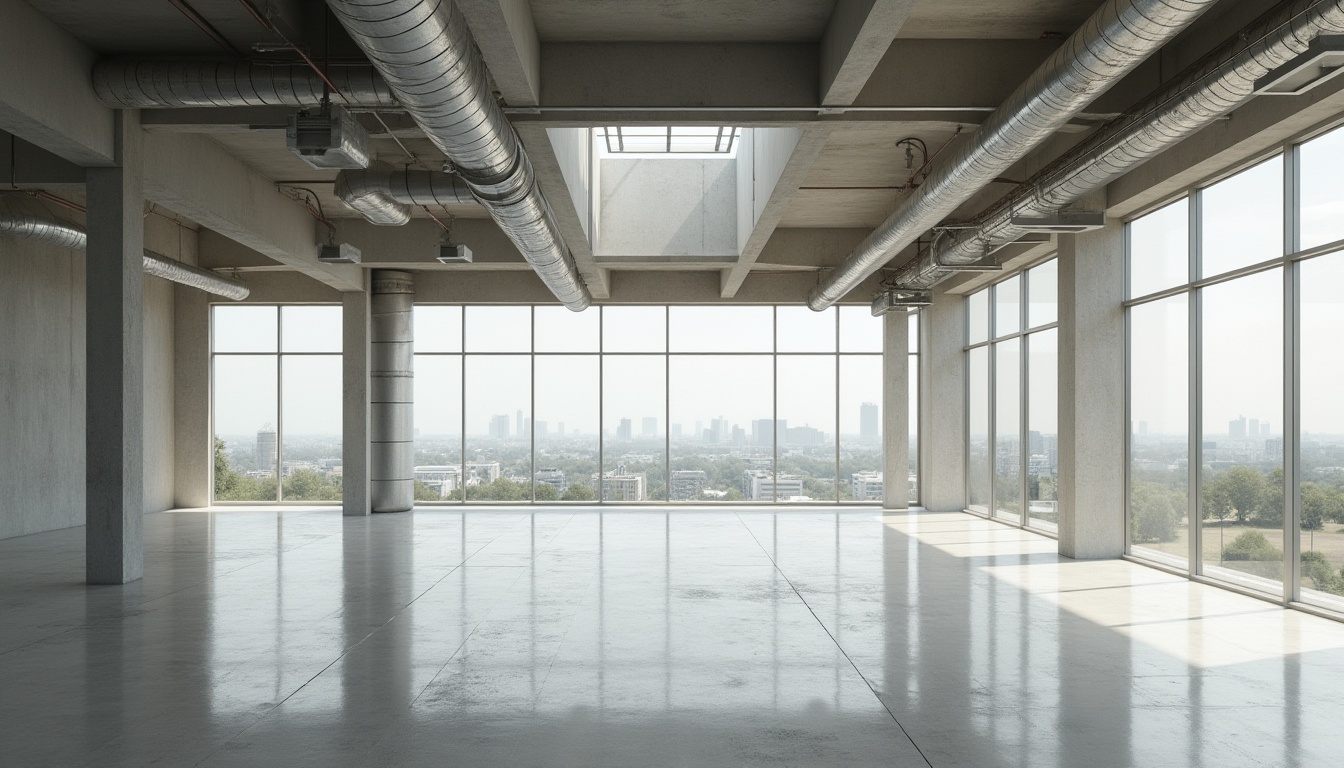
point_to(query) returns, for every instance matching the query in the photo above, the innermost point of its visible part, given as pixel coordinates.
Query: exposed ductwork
(1114, 40)
(392, 392)
(384, 196)
(16, 221)
(1221, 82)
(425, 54)
(174, 84)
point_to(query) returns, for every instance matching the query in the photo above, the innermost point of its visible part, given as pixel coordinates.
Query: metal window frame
(1290, 260)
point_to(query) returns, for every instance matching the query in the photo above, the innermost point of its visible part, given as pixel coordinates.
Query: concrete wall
(762, 157)
(668, 207)
(42, 385)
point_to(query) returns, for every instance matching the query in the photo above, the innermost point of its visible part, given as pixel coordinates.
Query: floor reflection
(640, 637)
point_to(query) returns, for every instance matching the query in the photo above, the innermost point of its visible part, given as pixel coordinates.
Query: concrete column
(942, 372)
(115, 364)
(1091, 394)
(391, 392)
(193, 448)
(355, 408)
(895, 410)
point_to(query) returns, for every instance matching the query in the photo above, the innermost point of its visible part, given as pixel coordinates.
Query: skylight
(671, 140)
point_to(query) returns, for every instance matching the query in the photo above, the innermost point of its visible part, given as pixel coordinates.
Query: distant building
(866, 486)
(482, 472)
(553, 477)
(688, 484)
(624, 431)
(541, 428)
(619, 486)
(804, 436)
(764, 485)
(739, 435)
(266, 448)
(650, 427)
(499, 427)
(870, 429)
(442, 478)
(1236, 428)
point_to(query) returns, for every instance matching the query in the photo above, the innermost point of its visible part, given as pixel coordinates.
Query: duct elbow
(369, 194)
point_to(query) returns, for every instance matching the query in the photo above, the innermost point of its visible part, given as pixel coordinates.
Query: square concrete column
(895, 410)
(355, 408)
(1092, 394)
(942, 404)
(115, 364)
(193, 443)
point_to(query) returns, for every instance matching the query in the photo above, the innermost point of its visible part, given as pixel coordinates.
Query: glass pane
(634, 329)
(437, 329)
(806, 424)
(1008, 430)
(245, 400)
(310, 329)
(1159, 444)
(1008, 307)
(634, 392)
(312, 427)
(859, 330)
(560, 330)
(1159, 249)
(860, 420)
(498, 425)
(1242, 219)
(1043, 294)
(1042, 429)
(977, 317)
(913, 394)
(799, 329)
(721, 329)
(1242, 402)
(1322, 532)
(977, 430)
(242, 328)
(498, 329)
(1321, 173)
(438, 426)
(566, 427)
(723, 396)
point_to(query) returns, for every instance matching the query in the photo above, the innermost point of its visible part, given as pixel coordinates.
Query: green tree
(1155, 512)
(579, 492)
(1253, 546)
(425, 493)
(502, 489)
(1316, 567)
(1316, 503)
(547, 492)
(733, 495)
(226, 479)
(310, 485)
(1244, 488)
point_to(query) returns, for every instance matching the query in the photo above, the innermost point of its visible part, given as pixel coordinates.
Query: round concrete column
(391, 368)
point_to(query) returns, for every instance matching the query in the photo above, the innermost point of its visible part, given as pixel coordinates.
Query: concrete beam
(856, 38)
(551, 180)
(115, 366)
(201, 180)
(45, 93)
(804, 153)
(26, 165)
(507, 36)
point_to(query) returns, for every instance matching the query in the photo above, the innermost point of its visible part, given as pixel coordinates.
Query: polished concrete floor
(645, 638)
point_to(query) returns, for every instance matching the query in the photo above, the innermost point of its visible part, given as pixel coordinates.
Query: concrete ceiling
(155, 26)
(754, 21)
(996, 19)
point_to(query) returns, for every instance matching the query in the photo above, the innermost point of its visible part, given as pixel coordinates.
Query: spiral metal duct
(392, 392)
(171, 84)
(384, 196)
(16, 221)
(1222, 82)
(1114, 40)
(425, 54)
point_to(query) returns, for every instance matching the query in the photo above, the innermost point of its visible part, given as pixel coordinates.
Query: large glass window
(638, 403)
(1012, 448)
(1262, 352)
(276, 402)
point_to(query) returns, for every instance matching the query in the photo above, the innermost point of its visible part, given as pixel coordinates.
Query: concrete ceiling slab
(142, 26)
(996, 19)
(681, 20)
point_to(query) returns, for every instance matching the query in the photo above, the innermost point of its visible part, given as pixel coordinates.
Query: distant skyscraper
(650, 427)
(541, 428)
(499, 427)
(624, 431)
(1236, 428)
(869, 429)
(266, 447)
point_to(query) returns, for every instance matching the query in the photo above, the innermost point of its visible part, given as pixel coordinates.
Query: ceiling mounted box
(454, 254)
(1323, 60)
(1062, 223)
(332, 138)
(900, 300)
(344, 253)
